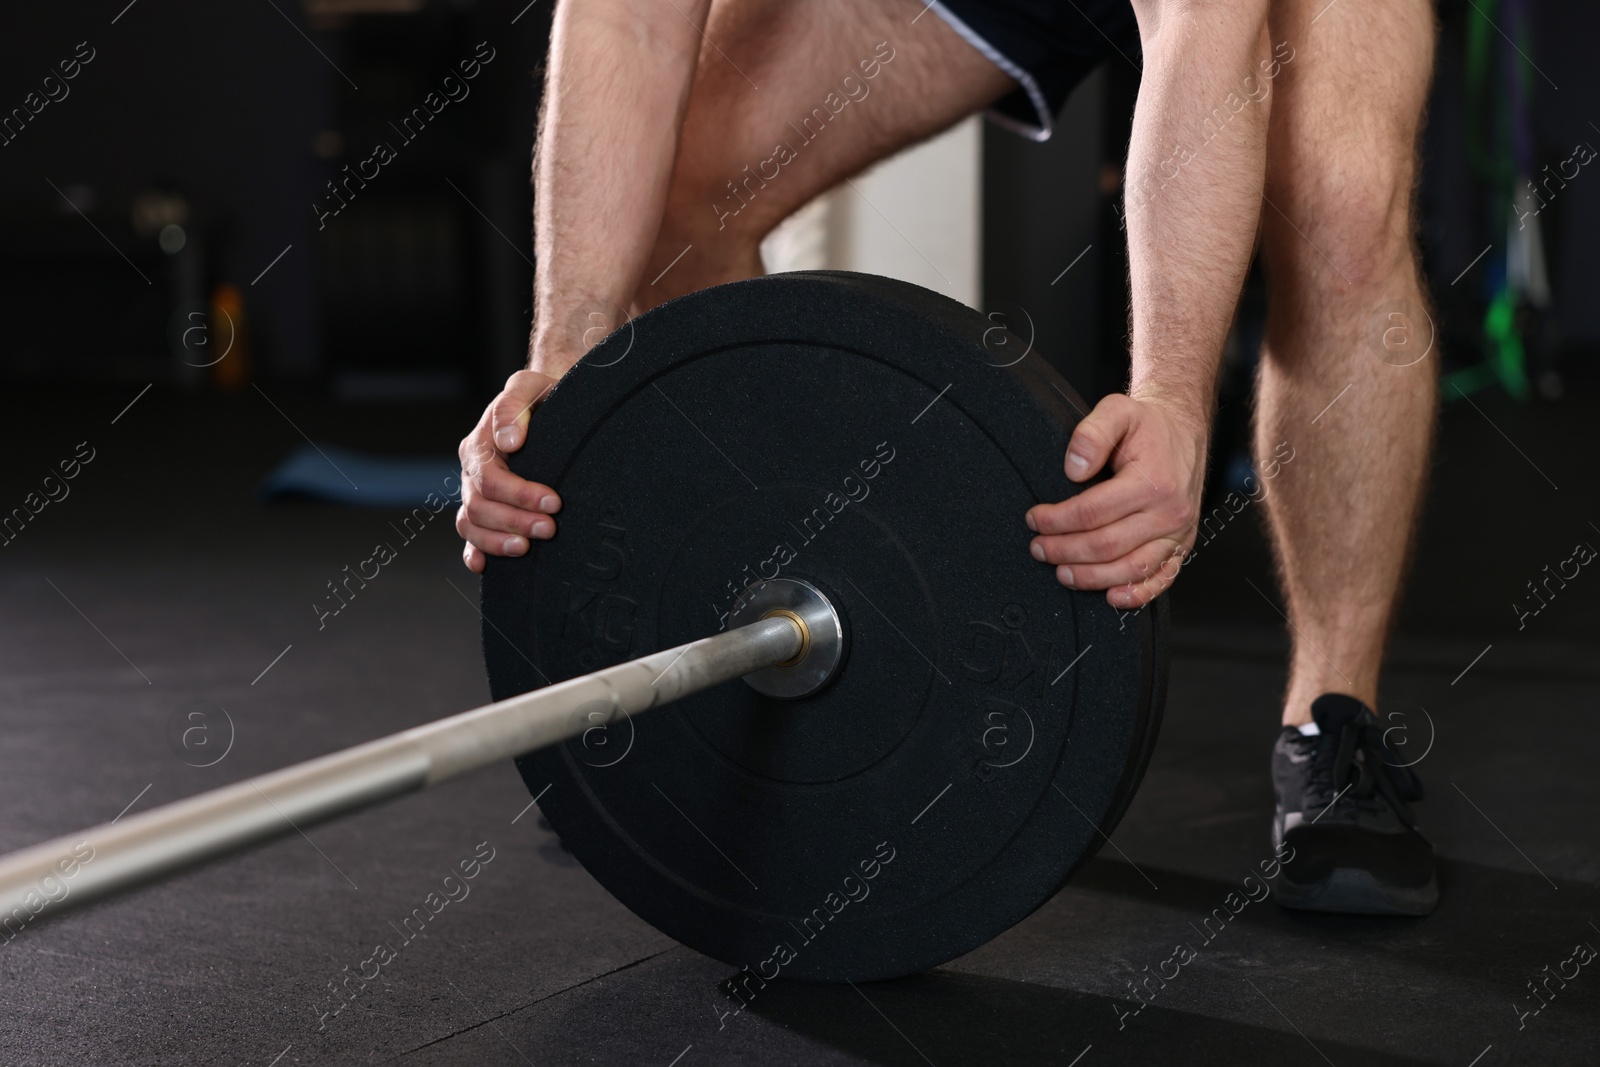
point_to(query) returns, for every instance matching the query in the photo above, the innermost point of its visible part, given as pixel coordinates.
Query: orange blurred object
(228, 327)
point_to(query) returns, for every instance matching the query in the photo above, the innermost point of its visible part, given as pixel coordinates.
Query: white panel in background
(801, 241)
(916, 216)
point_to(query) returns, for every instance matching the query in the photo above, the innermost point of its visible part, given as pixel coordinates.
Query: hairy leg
(782, 109)
(1345, 386)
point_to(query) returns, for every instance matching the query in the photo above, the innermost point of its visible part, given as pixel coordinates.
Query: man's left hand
(1128, 534)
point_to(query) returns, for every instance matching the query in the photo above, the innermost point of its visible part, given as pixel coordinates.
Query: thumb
(514, 407)
(1097, 435)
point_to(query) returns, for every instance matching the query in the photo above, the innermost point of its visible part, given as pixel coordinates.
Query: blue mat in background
(342, 476)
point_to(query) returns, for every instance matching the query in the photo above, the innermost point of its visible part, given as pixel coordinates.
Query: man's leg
(782, 109)
(1347, 310)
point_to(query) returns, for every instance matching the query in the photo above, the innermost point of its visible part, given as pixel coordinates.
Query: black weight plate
(881, 442)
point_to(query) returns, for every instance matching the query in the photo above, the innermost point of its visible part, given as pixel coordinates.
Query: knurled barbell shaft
(141, 847)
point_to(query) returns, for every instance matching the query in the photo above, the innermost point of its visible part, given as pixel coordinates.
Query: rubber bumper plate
(987, 727)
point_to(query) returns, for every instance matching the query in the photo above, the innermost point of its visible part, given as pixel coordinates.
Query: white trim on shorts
(1046, 124)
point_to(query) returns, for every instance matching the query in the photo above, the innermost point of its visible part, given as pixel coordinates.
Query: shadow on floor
(964, 1018)
(1489, 919)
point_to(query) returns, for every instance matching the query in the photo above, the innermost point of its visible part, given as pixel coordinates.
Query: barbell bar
(792, 640)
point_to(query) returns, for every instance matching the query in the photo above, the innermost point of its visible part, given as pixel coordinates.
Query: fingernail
(542, 528)
(1028, 518)
(550, 504)
(1076, 464)
(505, 438)
(1038, 551)
(1064, 576)
(514, 546)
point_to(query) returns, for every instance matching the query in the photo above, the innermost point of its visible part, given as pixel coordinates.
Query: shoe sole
(1352, 891)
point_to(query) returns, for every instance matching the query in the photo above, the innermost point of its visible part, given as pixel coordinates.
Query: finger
(1097, 506)
(496, 482)
(1133, 597)
(477, 448)
(490, 542)
(1153, 564)
(473, 558)
(511, 410)
(503, 518)
(1097, 436)
(1101, 545)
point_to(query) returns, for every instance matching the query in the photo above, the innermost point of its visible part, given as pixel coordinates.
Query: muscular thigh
(790, 97)
(1341, 149)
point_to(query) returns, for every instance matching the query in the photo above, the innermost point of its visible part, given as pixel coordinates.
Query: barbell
(815, 483)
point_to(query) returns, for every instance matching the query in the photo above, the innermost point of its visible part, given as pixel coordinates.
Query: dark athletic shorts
(1048, 46)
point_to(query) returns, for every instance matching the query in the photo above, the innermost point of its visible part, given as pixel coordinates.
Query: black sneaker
(1344, 829)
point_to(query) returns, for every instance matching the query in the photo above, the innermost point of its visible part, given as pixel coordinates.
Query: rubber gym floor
(161, 579)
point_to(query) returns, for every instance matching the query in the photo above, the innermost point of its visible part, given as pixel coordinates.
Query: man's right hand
(501, 512)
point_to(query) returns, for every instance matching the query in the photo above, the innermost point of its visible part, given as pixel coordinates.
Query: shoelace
(1367, 782)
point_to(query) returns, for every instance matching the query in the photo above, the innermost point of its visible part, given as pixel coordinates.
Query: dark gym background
(172, 186)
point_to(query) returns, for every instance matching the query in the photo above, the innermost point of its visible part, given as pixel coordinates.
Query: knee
(1352, 214)
(689, 256)
(720, 207)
